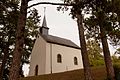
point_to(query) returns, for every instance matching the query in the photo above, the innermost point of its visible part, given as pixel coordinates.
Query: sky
(60, 24)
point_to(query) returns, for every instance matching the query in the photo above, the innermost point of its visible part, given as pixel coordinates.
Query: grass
(99, 73)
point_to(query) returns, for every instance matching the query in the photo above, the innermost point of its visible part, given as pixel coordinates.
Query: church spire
(44, 24)
(44, 29)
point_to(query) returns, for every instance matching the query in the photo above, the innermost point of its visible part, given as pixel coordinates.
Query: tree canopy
(8, 23)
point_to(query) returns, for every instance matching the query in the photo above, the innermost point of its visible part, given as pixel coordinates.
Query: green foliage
(94, 53)
(116, 66)
(104, 14)
(117, 70)
(31, 31)
(115, 59)
(95, 62)
(9, 12)
(8, 20)
(118, 51)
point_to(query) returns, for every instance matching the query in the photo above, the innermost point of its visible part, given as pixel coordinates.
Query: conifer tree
(101, 25)
(8, 21)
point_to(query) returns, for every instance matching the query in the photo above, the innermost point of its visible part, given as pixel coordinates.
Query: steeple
(44, 24)
(44, 29)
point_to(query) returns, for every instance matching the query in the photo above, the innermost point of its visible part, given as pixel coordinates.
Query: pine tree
(9, 18)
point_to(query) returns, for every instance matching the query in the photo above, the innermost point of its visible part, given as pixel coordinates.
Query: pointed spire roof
(44, 29)
(44, 24)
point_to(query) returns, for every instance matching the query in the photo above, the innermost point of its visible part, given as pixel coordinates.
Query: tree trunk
(86, 64)
(15, 68)
(107, 57)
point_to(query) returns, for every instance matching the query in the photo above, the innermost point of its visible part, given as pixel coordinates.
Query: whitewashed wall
(45, 56)
(68, 55)
(48, 58)
(38, 57)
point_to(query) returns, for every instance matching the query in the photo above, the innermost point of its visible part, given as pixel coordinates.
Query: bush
(117, 70)
(95, 62)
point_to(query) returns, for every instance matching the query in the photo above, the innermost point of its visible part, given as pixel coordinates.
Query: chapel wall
(38, 57)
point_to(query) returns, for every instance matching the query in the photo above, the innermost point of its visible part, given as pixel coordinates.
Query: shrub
(95, 62)
(117, 70)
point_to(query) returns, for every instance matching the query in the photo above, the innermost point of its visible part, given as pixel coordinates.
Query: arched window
(75, 61)
(36, 70)
(59, 58)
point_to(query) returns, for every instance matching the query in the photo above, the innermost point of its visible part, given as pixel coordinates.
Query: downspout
(51, 57)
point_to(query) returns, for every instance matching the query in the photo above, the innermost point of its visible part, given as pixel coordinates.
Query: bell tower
(44, 29)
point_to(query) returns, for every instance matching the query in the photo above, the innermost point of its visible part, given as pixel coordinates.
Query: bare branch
(63, 4)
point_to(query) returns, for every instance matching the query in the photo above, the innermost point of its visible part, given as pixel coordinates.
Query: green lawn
(99, 73)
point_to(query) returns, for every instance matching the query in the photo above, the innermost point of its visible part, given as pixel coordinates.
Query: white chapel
(52, 54)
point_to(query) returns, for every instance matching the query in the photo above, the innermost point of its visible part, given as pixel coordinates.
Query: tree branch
(63, 4)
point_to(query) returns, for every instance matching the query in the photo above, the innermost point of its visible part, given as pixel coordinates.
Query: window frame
(75, 61)
(59, 58)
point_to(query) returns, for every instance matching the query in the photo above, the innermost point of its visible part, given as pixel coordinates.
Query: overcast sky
(59, 23)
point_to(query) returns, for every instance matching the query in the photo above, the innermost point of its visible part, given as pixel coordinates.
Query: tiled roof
(60, 41)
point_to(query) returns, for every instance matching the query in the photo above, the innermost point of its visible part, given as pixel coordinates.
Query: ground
(99, 73)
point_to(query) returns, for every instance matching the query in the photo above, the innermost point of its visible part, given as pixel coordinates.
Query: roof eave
(64, 45)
